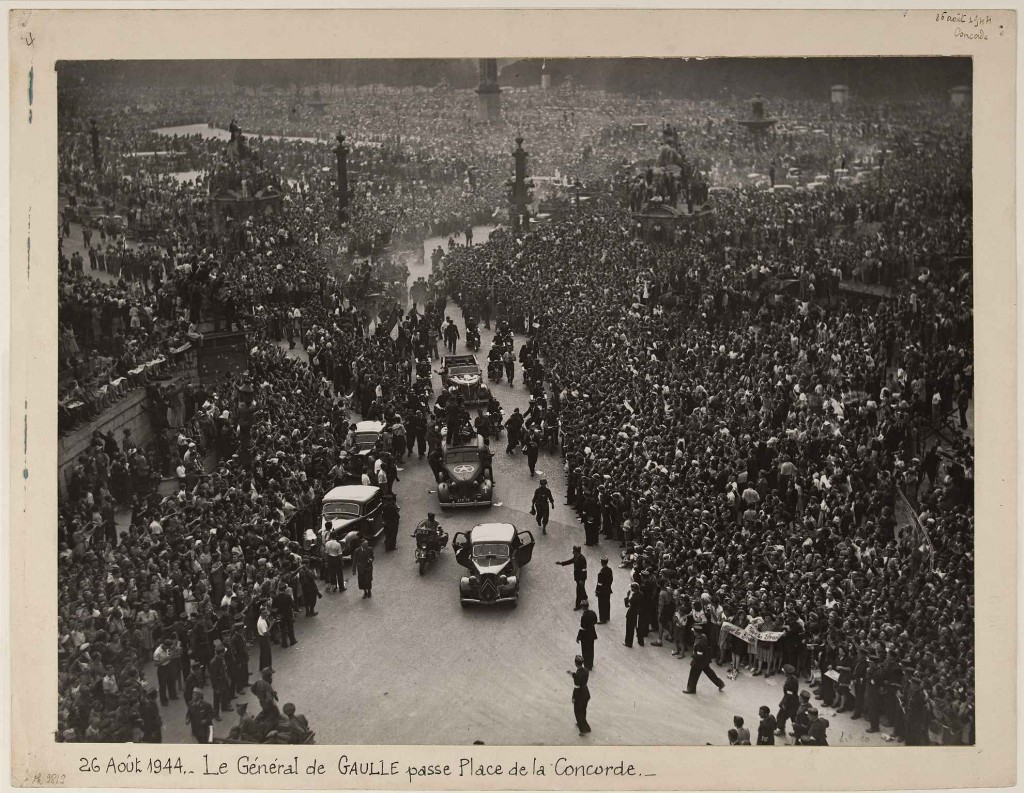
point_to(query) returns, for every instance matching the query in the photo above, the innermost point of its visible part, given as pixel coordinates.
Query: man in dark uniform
(587, 635)
(221, 682)
(591, 514)
(390, 516)
(542, 503)
(604, 591)
(284, 607)
(701, 663)
(200, 716)
(790, 698)
(580, 695)
(532, 451)
(634, 605)
(579, 574)
(514, 426)
(873, 692)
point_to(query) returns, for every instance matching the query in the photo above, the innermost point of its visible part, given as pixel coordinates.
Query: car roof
(369, 426)
(493, 532)
(352, 493)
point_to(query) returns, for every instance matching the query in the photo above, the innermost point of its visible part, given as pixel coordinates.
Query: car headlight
(504, 579)
(473, 580)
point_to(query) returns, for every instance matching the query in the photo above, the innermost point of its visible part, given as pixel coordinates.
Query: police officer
(542, 503)
(580, 694)
(604, 591)
(701, 662)
(587, 635)
(579, 574)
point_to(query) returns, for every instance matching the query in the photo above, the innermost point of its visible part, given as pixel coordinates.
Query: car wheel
(515, 602)
(464, 604)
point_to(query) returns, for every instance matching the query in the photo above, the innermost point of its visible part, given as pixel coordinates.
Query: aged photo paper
(236, 279)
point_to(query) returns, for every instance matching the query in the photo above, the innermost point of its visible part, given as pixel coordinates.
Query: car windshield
(369, 438)
(461, 457)
(491, 552)
(338, 509)
(463, 370)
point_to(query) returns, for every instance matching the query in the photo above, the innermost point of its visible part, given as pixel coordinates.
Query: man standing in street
(451, 335)
(579, 574)
(604, 591)
(221, 682)
(200, 716)
(542, 503)
(335, 567)
(532, 451)
(390, 515)
(514, 426)
(310, 591)
(362, 561)
(580, 694)
(634, 601)
(790, 699)
(701, 663)
(587, 635)
(284, 606)
(263, 631)
(165, 679)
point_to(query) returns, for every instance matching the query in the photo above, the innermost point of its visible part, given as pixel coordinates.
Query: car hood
(489, 569)
(463, 471)
(337, 524)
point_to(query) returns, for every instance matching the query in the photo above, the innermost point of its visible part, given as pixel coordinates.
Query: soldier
(200, 716)
(532, 451)
(240, 656)
(604, 591)
(579, 574)
(221, 682)
(390, 516)
(542, 502)
(701, 662)
(587, 635)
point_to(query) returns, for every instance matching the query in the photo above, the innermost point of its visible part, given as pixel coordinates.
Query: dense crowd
(750, 447)
(769, 453)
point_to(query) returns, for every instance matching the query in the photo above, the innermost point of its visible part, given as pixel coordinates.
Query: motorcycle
(429, 544)
(495, 371)
(497, 420)
(473, 339)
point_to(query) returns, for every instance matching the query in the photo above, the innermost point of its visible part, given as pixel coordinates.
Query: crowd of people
(776, 459)
(753, 448)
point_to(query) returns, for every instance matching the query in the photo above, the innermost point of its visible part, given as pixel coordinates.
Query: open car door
(524, 553)
(460, 544)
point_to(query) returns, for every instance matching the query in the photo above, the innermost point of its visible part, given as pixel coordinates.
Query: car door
(524, 553)
(461, 546)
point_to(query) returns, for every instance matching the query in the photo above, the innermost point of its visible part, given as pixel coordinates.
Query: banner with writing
(751, 634)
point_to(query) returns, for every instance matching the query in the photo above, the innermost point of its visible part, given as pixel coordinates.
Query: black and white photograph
(516, 401)
(521, 399)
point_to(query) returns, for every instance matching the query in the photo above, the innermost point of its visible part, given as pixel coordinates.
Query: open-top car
(354, 512)
(464, 373)
(466, 477)
(366, 434)
(494, 554)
